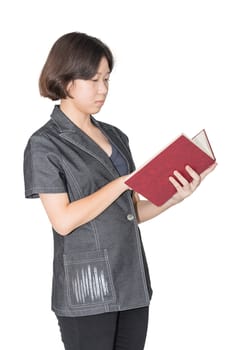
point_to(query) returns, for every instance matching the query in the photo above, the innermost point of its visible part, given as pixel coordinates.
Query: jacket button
(130, 217)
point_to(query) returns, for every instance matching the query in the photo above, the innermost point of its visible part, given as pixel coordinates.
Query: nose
(103, 87)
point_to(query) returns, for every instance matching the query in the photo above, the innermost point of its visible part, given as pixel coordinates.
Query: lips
(100, 102)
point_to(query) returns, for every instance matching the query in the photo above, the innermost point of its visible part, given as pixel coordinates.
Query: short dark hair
(73, 56)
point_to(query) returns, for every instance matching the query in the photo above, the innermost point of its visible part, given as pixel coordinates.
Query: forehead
(103, 67)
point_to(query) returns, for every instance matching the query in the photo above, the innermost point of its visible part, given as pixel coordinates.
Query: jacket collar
(70, 132)
(62, 121)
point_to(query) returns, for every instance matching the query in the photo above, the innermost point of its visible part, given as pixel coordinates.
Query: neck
(82, 120)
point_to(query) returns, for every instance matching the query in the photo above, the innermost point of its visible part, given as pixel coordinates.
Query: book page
(201, 140)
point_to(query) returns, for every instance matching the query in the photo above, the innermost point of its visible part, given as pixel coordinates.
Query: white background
(178, 69)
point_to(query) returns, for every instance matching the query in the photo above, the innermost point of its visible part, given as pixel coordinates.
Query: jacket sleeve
(43, 172)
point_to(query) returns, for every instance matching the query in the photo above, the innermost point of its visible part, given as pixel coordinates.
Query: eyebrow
(100, 73)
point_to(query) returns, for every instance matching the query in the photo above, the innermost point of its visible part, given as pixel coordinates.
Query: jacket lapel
(71, 133)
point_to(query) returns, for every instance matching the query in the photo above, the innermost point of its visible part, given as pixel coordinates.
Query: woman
(78, 167)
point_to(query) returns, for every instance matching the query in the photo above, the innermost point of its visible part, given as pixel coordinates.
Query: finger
(193, 173)
(175, 183)
(180, 178)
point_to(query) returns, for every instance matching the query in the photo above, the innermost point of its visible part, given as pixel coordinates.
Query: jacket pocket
(88, 278)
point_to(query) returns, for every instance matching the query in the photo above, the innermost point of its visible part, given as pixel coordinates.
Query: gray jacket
(100, 266)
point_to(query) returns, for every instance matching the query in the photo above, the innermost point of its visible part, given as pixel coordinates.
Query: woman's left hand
(185, 188)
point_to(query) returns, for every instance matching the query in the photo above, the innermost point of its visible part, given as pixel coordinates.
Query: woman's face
(89, 95)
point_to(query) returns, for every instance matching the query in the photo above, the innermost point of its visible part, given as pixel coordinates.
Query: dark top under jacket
(100, 266)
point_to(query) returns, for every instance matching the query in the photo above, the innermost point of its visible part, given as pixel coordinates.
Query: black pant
(124, 330)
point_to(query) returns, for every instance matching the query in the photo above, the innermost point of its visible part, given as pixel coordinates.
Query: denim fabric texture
(100, 266)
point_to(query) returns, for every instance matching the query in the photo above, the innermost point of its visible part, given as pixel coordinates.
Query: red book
(152, 179)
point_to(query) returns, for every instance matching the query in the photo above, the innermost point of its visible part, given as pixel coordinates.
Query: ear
(69, 88)
(70, 85)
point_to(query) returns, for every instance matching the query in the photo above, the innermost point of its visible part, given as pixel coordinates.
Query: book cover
(152, 179)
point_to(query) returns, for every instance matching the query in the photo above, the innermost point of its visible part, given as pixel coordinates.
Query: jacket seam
(96, 235)
(84, 309)
(141, 260)
(65, 166)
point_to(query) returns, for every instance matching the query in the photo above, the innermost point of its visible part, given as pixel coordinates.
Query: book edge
(163, 149)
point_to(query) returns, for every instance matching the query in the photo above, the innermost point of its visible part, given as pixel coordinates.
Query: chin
(96, 110)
